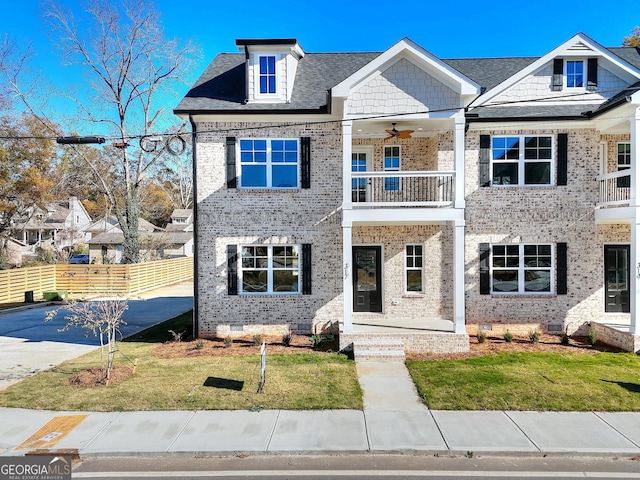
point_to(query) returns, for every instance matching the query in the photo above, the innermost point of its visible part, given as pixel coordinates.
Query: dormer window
(267, 74)
(271, 69)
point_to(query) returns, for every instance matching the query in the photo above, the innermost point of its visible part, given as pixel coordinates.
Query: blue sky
(446, 29)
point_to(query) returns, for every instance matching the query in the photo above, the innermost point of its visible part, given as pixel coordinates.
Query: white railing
(615, 188)
(408, 189)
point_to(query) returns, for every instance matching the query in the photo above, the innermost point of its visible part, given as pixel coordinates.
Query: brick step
(380, 343)
(361, 355)
(378, 350)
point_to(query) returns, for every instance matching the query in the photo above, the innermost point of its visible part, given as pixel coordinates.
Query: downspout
(194, 133)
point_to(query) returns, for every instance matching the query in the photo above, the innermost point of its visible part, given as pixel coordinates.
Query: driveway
(28, 344)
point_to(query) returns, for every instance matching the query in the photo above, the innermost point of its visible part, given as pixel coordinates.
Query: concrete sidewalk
(393, 420)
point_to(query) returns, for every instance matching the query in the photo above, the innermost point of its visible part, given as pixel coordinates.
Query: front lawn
(197, 375)
(531, 381)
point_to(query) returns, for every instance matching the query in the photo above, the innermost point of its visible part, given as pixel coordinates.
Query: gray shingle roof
(221, 88)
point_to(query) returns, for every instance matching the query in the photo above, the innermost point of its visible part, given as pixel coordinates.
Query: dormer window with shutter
(271, 68)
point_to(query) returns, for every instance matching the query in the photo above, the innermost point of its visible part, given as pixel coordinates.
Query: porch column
(458, 276)
(347, 283)
(458, 159)
(634, 261)
(347, 261)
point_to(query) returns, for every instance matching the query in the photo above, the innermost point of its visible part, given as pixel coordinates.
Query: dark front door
(616, 271)
(367, 276)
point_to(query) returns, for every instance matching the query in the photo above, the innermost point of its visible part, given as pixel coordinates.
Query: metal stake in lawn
(263, 366)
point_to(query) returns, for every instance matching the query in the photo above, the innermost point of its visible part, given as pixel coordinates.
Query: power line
(123, 140)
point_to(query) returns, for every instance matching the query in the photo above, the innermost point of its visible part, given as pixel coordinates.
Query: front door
(616, 270)
(367, 279)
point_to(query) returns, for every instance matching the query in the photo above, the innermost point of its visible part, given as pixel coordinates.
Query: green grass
(160, 333)
(306, 381)
(531, 381)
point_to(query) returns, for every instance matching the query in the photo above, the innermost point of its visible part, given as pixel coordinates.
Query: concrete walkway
(393, 420)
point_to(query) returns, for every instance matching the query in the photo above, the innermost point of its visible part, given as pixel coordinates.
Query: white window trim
(565, 77)
(268, 165)
(522, 162)
(407, 268)
(399, 169)
(266, 97)
(522, 270)
(269, 270)
(624, 165)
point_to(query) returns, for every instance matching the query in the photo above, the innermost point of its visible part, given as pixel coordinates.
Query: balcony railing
(402, 189)
(615, 189)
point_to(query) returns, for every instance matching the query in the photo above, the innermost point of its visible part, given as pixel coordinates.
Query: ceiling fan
(393, 133)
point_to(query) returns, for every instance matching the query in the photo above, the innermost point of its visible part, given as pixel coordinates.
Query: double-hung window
(521, 268)
(521, 160)
(392, 164)
(269, 163)
(270, 269)
(575, 73)
(267, 74)
(624, 163)
(414, 268)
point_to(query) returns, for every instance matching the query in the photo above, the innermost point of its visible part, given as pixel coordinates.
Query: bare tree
(101, 318)
(633, 40)
(131, 69)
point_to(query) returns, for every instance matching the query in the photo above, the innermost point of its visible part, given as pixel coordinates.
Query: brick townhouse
(406, 198)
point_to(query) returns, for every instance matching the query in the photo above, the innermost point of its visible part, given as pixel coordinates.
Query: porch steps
(378, 350)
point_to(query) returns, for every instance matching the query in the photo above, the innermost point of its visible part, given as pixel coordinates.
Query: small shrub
(286, 340)
(564, 339)
(534, 336)
(482, 336)
(257, 339)
(199, 345)
(592, 336)
(508, 336)
(228, 341)
(177, 337)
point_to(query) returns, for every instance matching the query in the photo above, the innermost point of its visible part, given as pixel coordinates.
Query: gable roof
(221, 87)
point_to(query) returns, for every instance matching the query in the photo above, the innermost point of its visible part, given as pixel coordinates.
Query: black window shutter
(232, 179)
(232, 269)
(485, 160)
(561, 269)
(592, 74)
(485, 284)
(306, 269)
(558, 71)
(305, 162)
(561, 173)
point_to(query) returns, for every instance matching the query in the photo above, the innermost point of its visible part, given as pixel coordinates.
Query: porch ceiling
(375, 128)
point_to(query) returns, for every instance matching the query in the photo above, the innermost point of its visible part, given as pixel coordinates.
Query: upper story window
(521, 268)
(392, 164)
(575, 73)
(269, 163)
(267, 74)
(624, 163)
(521, 160)
(270, 269)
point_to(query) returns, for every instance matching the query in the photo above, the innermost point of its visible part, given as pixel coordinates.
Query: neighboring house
(12, 250)
(106, 242)
(59, 224)
(400, 196)
(181, 220)
(106, 238)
